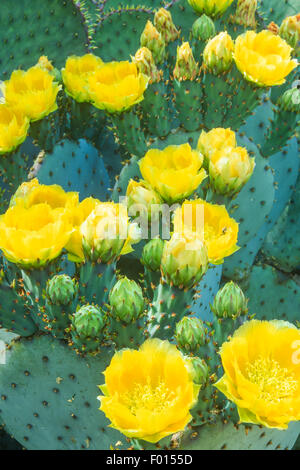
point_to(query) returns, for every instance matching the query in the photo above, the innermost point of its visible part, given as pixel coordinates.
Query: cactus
(148, 159)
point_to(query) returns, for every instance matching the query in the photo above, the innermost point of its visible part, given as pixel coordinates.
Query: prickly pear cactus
(148, 162)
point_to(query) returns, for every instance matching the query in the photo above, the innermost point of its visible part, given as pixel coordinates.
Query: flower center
(153, 398)
(275, 382)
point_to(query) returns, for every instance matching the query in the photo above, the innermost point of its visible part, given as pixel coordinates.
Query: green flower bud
(290, 100)
(184, 260)
(290, 30)
(199, 370)
(61, 289)
(152, 253)
(88, 322)
(153, 40)
(230, 302)
(218, 54)
(186, 67)
(203, 28)
(126, 300)
(245, 13)
(164, 24)
(190, 334)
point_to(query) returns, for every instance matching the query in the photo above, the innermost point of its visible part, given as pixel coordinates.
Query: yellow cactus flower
(13, 128)
(34, 92)
(263, 58)
(79, 214)
(262, 373)
(148, 393)
(31, 237)
(117, 86)
(230, 169)
(175, 172)
(213, 8)
(220, 230)
(106, 232)
(75, 75)
(184, 259)
(218, 53)
(216, 139)
(31, 193)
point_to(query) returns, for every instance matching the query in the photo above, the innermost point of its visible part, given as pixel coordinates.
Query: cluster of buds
(186, 67)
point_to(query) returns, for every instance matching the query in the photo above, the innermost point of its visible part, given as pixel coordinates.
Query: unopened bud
(164, 24)
(153, 40)
(218, 54)
(186, 67)
(144, 60)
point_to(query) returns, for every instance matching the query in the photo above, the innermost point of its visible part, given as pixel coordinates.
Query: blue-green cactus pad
(76, 166)
(49, 396)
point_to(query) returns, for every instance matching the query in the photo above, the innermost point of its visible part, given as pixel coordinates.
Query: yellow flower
(216, 139)
(75, 75)
(220, 231)
(117, 86)
(33, 92)
(148, 393)
(79, 214)
(13, 128)
(218, 53)
(184, 259)
(31, 193)
(230, 169)
(262, 373)
(31, 237)
(211, 8)
(263, 58)
(106, 233)
(174, 172)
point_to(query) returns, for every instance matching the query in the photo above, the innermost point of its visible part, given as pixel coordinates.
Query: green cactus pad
(277, 12)
(117, 35)
(49, 396)
(282, 245)
(231, 436)
(67, 165)
(56, 29)
(273, 295)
